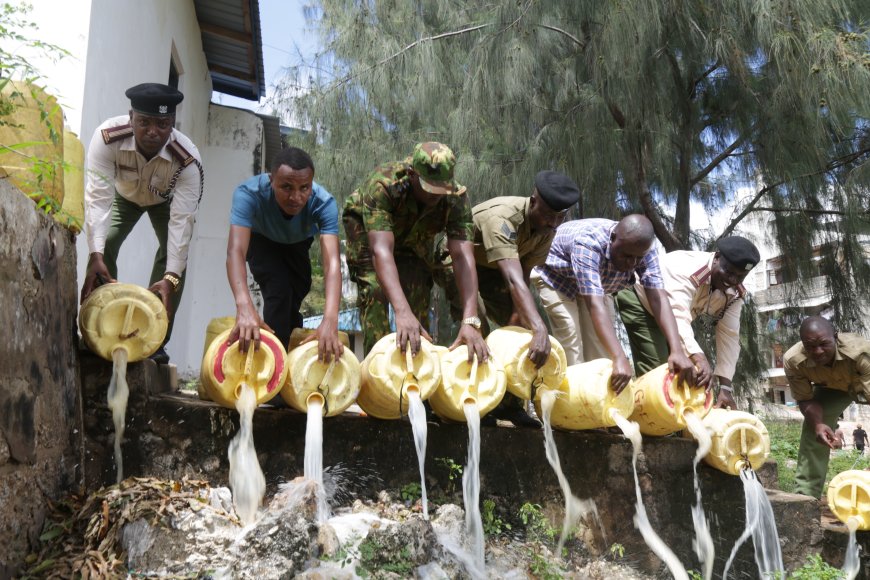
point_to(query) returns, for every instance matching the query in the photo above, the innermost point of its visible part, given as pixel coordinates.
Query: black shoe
(520, 418)
(160, 357)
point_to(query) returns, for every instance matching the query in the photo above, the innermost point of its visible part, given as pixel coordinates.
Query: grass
(785, 439)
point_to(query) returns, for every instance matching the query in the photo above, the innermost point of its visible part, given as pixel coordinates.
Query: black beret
(558, 191)
(739, 251)
(154, 99)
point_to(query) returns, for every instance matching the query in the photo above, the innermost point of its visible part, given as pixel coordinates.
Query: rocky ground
(148, 528)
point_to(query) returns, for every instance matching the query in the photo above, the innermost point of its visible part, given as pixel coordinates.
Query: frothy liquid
(471, 491)
(852, 563)
(575, 508)
(314, 455)
(762, 527)
(246, 477)
(417, 415)
(631, 430)
(703, 542)
(117, 397)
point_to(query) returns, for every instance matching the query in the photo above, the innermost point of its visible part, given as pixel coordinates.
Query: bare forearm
(237, 275)
(466, 275)
(663, 314)
(388, 277)
(812, 411)
(604, 326)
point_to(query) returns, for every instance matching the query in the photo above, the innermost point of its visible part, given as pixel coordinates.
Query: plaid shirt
(579, 262)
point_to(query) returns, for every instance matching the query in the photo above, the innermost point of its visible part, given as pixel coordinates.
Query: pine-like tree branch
(717, 160)
(576, 40)
(808, 210)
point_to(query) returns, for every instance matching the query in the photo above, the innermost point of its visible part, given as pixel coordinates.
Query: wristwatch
(174, 281)
(472, 321)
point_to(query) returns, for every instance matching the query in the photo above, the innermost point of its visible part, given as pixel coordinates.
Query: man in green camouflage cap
(391, 222)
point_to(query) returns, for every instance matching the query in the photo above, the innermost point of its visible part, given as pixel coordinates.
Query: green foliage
(544, 567)
(411, 492)
(695, 575)
(537, 525)
(617, 550)
(374, 560)
(492, 524)
(816, 569)
(785, 439)
(454, 472)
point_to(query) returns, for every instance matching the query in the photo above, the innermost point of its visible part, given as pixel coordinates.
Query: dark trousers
(125, 215)
(283, 272)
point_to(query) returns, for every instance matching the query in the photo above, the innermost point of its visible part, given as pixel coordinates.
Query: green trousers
(649, 348)
(125, 215)
(813, 457)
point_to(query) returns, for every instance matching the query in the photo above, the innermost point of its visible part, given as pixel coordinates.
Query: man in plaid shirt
(589, 261)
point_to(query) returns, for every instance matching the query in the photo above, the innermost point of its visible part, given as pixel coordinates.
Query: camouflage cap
(434, 163)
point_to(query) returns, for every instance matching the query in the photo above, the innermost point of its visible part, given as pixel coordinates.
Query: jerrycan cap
(127, 316)
(335, 384)
(462, 382)
(849, 498)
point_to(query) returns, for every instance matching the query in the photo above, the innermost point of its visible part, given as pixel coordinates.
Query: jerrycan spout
(246, 373)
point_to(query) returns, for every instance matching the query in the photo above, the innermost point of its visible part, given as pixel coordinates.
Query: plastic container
(510, 344)
(300, 334)
(123, 316)
(28, 133)
(739, 440)
(585, 399)
(659, 403)
(335, 384)
(214, 328)
(73, 180)
(387, 374)
(461, 382)
(849, 497)
(225, 368)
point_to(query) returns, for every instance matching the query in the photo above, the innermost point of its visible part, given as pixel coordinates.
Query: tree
(665, 107)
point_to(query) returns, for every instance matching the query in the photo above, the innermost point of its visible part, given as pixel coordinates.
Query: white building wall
(231, 152)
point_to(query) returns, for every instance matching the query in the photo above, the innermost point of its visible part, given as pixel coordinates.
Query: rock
(297, 496)
(4, 450)
(398, 548)
(449, 521)
(221, 498)
(327, 541)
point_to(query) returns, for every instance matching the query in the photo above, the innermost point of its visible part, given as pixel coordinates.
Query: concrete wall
(132, 42)
(40, 417)
(231, 154)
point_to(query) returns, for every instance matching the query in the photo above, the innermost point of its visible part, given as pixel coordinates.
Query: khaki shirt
(687, 281)
(119, 167)
(502, 231)
(849, 373)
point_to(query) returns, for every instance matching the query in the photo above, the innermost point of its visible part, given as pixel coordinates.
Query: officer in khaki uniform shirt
(512, 235)
(826, 371)
(139, 163)
(705, 285)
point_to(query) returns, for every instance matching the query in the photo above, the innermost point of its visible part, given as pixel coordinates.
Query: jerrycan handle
(128, 321)
(323, 387)
(409, 362)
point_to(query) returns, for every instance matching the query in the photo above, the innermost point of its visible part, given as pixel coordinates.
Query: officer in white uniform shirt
(705, 285)
(139, 163)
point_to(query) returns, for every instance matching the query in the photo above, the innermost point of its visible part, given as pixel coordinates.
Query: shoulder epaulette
(112, 134)
(701, 275)
(741, 290)
(180, 153)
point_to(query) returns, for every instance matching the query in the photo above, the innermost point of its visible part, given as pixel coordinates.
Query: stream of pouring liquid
(703, 542)
(117, 396)
(246, 477)
(417, 415)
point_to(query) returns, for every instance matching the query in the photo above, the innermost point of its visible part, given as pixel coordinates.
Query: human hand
(328, 343)
(471, 338)
(539, 348)
(247, 328)
(826, 436)
(408, 333)
(703, 371)
(164, 291)
(96, 275)
(680, 365)
(621, 375)
(725, 400)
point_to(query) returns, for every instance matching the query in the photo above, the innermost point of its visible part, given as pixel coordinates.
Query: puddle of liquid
(703, 542)
(314, 455)
(471, 492)
(761, 526)
(246, 477)
(117, 396)
(417, 415)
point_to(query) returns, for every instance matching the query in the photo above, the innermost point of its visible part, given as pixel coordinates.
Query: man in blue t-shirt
(273, 220)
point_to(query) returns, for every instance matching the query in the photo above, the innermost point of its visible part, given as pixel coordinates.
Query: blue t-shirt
(254, 207)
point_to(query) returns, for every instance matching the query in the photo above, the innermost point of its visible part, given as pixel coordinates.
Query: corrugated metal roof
(233, 46)
(271, 137)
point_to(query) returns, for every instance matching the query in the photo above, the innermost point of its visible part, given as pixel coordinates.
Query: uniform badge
(508, 232)
(163, 109)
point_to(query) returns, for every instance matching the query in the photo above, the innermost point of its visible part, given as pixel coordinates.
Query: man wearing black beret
(705, 285)
(139, 163)
(512, 235)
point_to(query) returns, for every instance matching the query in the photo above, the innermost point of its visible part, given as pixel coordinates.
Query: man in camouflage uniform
(512, 235)
(391, 223)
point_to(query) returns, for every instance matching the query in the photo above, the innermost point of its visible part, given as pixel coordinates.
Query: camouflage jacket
(385, 202)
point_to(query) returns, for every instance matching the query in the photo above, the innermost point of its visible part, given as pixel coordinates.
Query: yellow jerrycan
(461, 382)
(335, 384)
(510, 345)
(225, 368)
(300, 334)
(214, 328)
(387, 374)
(738, 440)
(123, 316)
(659, 402)
(73, 180)
(849, 498)
(585, 399)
